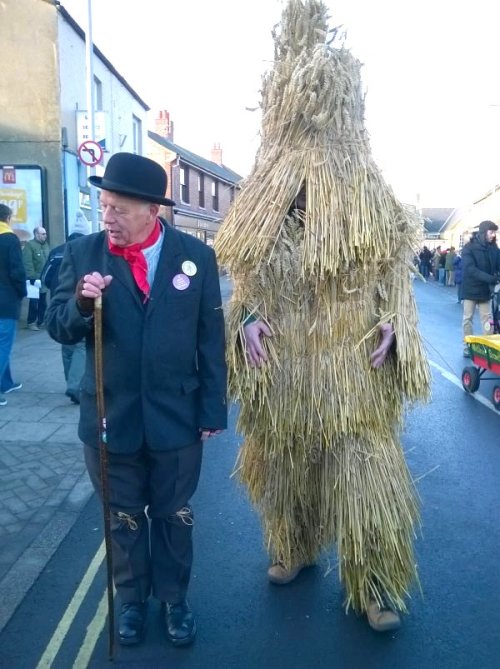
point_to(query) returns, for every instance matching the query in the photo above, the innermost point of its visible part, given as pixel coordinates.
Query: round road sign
(90, 153)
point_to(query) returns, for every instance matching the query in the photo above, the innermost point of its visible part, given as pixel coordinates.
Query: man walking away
(73, 355)
(481, 270)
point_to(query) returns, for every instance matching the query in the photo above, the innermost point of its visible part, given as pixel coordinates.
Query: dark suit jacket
(164, 362)
(12, 276)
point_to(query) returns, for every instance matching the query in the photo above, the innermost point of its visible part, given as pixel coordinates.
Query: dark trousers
(36, 309)
(153, 556)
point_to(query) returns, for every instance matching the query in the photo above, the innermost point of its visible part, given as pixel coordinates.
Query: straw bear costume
(322, 458)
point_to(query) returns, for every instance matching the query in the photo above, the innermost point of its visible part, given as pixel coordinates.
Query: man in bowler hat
(164, 382)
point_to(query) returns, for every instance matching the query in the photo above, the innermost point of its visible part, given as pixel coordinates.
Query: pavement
(43, 480)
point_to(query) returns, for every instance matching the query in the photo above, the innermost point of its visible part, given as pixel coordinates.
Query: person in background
(425, 258)
(435, 263)
(35, 255)
(481, 270)
(457, 268)
(441, 266)
(449, 267)
(164, 374)
(12, 291)
(73, 355)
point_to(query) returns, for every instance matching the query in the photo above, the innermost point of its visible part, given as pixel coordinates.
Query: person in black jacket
(73, 355)
(480, 271)
(12, 291)
(164, 375)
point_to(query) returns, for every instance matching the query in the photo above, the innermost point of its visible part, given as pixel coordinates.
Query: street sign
(83, 127)
(90, 153)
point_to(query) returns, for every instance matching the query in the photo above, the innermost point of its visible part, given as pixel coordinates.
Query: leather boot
(180, 623)
(132, 623)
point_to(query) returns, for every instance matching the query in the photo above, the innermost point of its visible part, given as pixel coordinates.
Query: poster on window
(21, 189)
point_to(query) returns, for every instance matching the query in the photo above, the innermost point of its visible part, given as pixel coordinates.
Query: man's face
(491, 236)
(126, 220)
(41, 235)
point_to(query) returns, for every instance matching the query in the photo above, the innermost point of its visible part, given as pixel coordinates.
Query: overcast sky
(431, 71)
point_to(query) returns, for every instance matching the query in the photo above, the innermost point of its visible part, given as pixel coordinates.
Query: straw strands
(321, 457)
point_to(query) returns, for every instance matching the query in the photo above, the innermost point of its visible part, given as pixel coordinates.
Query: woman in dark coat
(12, 291)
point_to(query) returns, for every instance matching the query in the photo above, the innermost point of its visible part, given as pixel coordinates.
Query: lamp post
(495, 182)
(89, 53)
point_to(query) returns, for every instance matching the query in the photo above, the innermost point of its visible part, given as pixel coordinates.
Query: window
(137, 134)
(97, 94)
(184, 175)
(201, 190)
(215, 195)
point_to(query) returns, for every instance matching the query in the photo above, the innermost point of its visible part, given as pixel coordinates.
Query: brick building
(202, 189)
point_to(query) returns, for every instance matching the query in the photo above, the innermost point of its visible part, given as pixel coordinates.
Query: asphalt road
(453, 451)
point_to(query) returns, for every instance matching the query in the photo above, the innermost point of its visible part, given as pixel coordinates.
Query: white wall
(118, 102)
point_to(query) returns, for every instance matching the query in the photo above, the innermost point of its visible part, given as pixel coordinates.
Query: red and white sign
(90, 153)
(9, 174)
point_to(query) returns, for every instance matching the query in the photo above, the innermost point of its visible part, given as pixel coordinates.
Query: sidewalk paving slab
(43, 481)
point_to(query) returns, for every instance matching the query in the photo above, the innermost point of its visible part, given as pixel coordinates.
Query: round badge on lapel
(181, 282)
(189, 268)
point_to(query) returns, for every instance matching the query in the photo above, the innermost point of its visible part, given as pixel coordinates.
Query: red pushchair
(485, 353)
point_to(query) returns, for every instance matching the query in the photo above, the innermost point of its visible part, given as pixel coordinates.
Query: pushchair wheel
(470, 379)
(495, 397)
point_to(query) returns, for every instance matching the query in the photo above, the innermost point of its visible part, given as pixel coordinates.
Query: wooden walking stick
(103, 461)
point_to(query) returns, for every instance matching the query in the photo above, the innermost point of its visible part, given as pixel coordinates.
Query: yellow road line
(61, 631)
(93, 632)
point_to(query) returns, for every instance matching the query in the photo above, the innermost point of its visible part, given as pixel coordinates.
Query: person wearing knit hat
(481, 270)
(81, 224)
(73, 355)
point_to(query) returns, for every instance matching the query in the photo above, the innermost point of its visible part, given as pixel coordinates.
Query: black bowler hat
(135, 176)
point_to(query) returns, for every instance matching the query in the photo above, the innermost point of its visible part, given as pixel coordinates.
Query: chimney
(164, 126)
(217, 154)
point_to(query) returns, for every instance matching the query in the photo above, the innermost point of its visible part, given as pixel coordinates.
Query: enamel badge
(189, 268)
(181, 281)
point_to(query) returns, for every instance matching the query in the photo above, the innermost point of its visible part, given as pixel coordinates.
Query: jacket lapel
(168, 264)
(120, 271)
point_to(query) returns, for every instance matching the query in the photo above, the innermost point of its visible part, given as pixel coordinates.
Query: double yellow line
(93, 630)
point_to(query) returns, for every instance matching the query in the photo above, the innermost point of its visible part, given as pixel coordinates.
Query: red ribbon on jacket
(135, 257)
